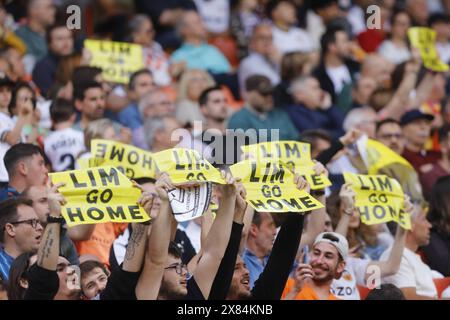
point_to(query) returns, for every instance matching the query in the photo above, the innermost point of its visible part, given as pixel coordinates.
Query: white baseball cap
(337, 240)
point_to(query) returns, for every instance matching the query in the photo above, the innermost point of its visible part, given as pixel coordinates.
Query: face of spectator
(365, 87)
(285, 13)
(368, 124)
(174, 285)
(44, 12)
(310, 94)
(35, 171)
(145, 35)
(93, 105)
(342, 44)
(445, 146)
(420, 229)
(417, 132)
(61, 41)
(442, 30)
(217, 107)
(329, 12)
(5, 97)
(16, 62)
(160, 105)
(69, 281)
(325, 262)
(26, 237)
(265, 233)
(23, 96)
(240, 284)
(319, 146)
(401, 24)
(390, 134)
(38, 194)
(262, 40)
(418, 10)
(197, 83)
(378, 68)
(143, 84)
(328, 225)
(109, 134)
(93, 282)
(164, 136)
(193, 26)
(260, 102)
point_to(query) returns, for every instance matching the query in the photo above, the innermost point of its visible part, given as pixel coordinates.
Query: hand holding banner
(379, 199)
(424, 39)
(99, 195)
(296, 155)
(270, 187)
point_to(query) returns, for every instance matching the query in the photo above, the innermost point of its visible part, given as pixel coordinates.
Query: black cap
(414, 115)
(5, 81)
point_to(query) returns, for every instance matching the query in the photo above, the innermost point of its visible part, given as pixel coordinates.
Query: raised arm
(316, 222)
(392, 265)
(48, 252)
(271, 282)
(217, 239)
(347, 196)
(158, 244)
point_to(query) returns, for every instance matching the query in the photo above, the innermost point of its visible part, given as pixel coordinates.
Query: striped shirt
(5, 264)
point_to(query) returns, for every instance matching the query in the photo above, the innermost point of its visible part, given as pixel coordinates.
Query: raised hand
(163, 185)
(347, 196)
(55, 199)
(301, 183)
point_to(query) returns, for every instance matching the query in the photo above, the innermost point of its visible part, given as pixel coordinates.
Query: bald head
(378, 68)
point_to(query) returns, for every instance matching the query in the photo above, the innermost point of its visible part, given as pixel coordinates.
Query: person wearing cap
(323, 279)
(416, 126)
(314, 280)
(260, 114)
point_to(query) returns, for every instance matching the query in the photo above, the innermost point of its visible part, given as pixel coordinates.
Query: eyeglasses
(178, 268)
(31, 222)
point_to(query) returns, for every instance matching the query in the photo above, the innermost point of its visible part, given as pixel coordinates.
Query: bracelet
(53, 219)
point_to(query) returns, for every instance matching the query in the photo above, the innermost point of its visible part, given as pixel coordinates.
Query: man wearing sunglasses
(21, 232)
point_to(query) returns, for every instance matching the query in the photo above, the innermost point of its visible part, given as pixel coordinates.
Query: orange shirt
(307, 293)
(101, 240)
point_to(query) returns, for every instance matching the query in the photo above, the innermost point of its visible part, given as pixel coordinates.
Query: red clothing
(428, 176)
(370, 40)
(418, 159)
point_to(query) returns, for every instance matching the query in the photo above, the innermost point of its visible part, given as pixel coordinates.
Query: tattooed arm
(49, 248)
(134, 256)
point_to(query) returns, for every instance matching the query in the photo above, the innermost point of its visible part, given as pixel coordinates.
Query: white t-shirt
(295, 39)
(354, 273)
(6, 125)
(215, 14)
(339, 76)
(443, 50)
(412, 273)
(394, 54)
(62, 147)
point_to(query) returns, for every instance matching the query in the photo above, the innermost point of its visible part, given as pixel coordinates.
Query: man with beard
(174, 282)
(328, 256)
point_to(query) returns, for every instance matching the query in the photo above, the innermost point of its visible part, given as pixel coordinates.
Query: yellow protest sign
(99, 195)
(379, 199)
(296, 155)
(270, 187)
(186, 165)
(130, 160)
(118, 60)
(424, 39)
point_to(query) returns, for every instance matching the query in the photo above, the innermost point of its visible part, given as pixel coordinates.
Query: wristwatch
(53, 219)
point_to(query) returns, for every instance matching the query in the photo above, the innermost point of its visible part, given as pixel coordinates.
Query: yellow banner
(377, 156)
(99, 195)
(424, 39)
(186, 165)
(270, 187)
(379, 199)
(118, 60)
(296, 155)
(130, 160)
